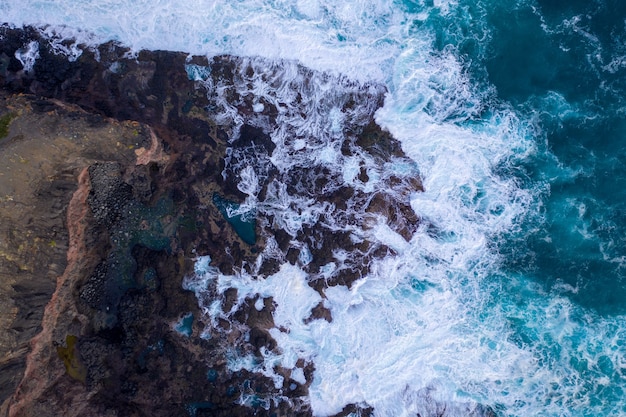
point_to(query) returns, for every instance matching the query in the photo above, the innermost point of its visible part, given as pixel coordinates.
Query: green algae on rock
(71, 359)
(5, 121)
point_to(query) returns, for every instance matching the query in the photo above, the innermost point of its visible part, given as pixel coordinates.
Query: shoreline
(120, 331)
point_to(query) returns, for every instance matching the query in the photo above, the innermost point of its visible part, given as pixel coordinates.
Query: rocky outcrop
(118, 175)
(43, 387)
(107, 342)
(46, 146)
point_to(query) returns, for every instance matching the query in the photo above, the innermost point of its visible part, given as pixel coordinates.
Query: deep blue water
(563, 64)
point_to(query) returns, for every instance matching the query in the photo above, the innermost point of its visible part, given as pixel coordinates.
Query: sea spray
(353, 38)
(390, 324)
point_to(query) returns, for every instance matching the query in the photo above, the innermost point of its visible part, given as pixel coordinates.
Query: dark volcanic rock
(151, 88)
(142, 211)
(109, 193)
(124, 163)
(108, 343)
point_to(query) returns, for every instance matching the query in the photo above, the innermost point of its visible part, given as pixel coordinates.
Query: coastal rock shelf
(116, 173)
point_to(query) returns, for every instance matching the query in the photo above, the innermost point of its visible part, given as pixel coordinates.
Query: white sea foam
(28, 55)
(409, 334)
(353, 37)
(422, 329)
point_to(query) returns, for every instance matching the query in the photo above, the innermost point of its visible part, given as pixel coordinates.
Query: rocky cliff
(112, 181)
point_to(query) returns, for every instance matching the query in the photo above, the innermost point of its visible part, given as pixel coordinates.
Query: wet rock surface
(113, 165)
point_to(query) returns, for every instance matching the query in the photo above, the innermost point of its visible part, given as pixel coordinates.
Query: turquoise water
(243, 223)
(514, 114)
(561, 65)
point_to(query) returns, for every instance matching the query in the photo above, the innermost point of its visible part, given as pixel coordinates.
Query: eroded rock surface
(46, 146)
(120, 171)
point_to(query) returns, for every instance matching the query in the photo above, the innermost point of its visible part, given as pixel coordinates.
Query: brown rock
(40, 158)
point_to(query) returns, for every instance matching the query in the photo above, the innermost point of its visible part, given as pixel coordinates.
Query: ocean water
(511, 293)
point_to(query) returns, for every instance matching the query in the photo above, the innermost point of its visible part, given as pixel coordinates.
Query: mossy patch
(5, 121)
(71, 359)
